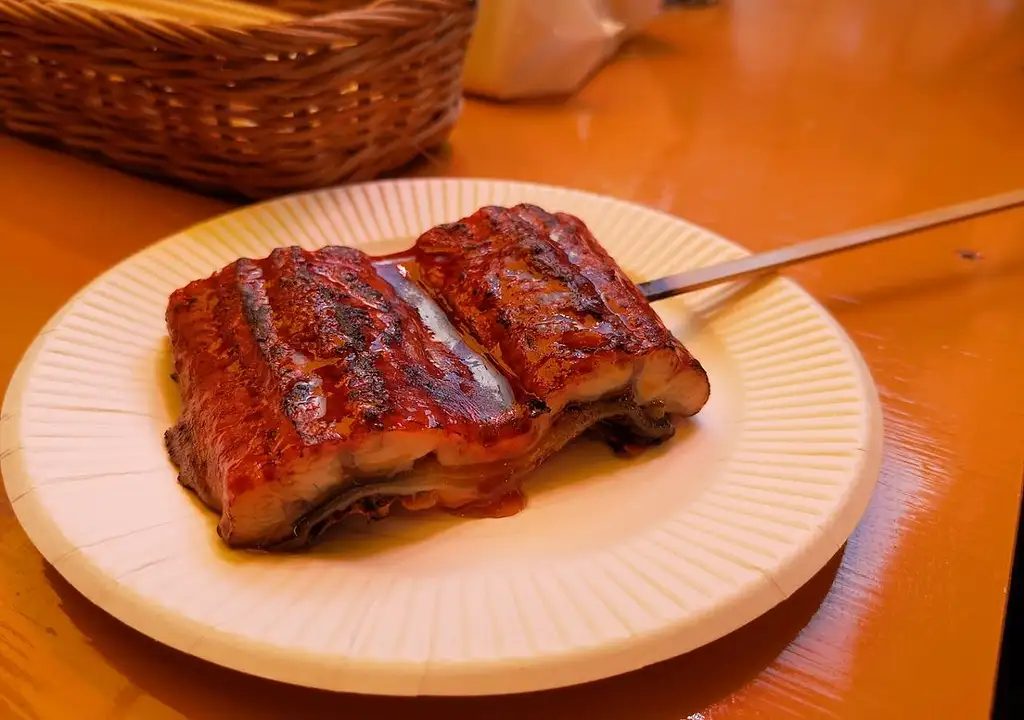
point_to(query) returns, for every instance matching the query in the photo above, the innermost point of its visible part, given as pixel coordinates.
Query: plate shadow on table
(666, 691)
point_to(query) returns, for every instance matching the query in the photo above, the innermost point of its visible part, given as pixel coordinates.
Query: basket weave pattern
(261, 111)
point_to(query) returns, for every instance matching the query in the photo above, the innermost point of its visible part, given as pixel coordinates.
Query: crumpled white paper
(534, 48)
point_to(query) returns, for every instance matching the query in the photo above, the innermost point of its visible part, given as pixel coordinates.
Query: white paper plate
(614, 565)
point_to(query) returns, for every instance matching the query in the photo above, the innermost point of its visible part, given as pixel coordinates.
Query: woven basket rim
(255, 110)
(374, 18)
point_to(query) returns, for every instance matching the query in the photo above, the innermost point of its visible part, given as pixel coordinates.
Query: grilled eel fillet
(321, 384)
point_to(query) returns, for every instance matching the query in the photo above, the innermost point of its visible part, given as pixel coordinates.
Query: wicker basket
(259, 110)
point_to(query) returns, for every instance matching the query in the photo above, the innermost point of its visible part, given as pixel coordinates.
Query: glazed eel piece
(319, 385)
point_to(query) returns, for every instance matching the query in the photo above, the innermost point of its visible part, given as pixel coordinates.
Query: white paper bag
(534, 48)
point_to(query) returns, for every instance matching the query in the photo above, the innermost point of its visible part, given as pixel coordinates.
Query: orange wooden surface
(768, 122)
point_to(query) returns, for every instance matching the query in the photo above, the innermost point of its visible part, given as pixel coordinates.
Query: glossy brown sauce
(431, 338)
(469, 349)
(402, 272)
(505, 505)
(587, 332)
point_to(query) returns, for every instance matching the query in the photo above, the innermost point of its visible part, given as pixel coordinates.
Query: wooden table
(768, 122)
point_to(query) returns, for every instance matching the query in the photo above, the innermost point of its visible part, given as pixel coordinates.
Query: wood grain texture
(768, 123)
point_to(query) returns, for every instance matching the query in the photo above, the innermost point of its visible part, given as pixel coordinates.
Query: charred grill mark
(299, 292)
(212, 322)
(347, 254)
(255, 305)
(533, 232)
(522, 298)
(641, 329)
(438, 391)
(541, 297)
(504, 318)
(263, 345)
(418, 376)
(301, 400)
(370, 294)
(347, 320)
(366, 384)
(552, 257)
(353, 322)
(464, 232)
(359, 338)
(393, 334)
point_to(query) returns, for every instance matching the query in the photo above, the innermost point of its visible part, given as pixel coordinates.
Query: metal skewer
(763, 263)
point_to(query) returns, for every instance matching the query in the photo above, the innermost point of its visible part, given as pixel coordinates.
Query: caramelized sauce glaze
(466, 337)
